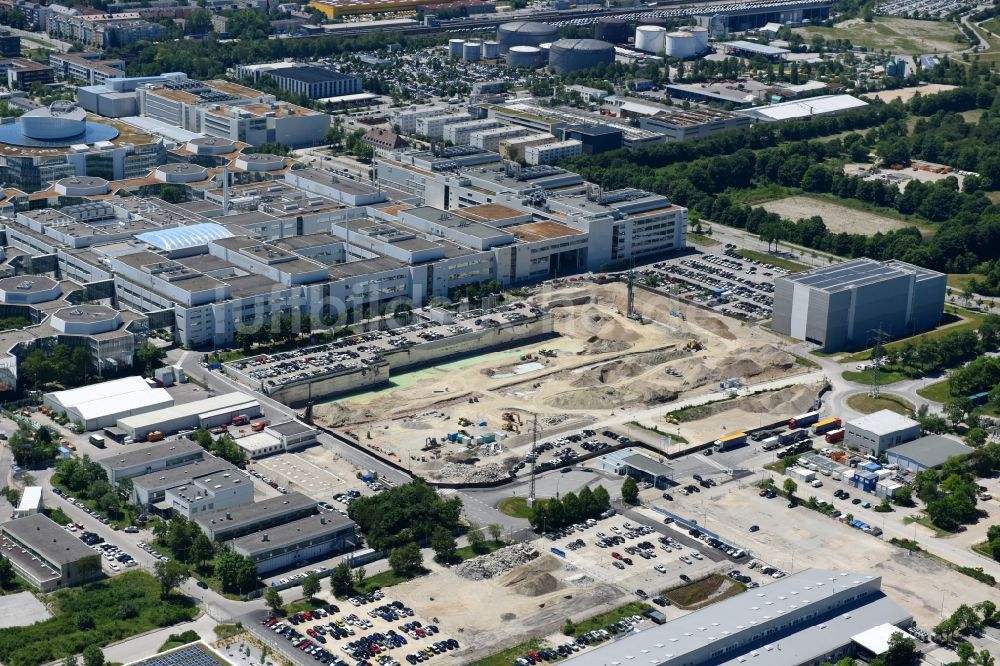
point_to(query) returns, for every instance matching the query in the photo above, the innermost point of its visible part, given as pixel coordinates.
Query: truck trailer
(803, 420)
(731, 441)
(826, 425)
(835, 436)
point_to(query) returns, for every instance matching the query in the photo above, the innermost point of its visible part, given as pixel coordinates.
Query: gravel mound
(472, 473)
(496, 563)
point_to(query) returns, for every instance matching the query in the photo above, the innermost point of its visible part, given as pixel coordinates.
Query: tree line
(552, 514)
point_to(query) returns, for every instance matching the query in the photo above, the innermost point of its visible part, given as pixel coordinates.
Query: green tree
(602, 498)
(6, 573)
(476, 538)
(169, 574)
(903, 496)
(92, 656)
(902, 652)
(359, 577)
(172, 193)
(443, 543)
(965, 652)
(310, 585)
(496, 532)
(406, 560)
(790, 487)
(630, 490)
(70, 661)
(84, 621)
(272, 599)
(202, 550)
(237, 573)
(340, 579)
(148, 357)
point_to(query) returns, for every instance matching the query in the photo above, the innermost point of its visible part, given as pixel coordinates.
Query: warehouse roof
(291, 534)
(805, 108)
(115, 387)
(754, 47)
(310, 74)
(208, 405)
(883, 422)
(675, 641)
(930, 450)
(45, 537)
(118, 404)
(856, 273)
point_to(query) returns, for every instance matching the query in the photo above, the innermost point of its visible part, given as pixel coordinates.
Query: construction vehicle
(430, 444)
(462, 421)
(241, 419)
(694, 345)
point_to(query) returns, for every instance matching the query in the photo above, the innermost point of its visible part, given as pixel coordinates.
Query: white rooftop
(124, 404)
(884, 422)
(876, 639)
(31, 499)
(805, 108)
(115, 387)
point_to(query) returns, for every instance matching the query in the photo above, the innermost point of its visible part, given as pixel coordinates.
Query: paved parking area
(21, 609)
(294, 471)
(378, 629)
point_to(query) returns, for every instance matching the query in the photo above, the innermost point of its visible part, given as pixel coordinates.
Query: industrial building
(594, 139)
(926, 452)
(823, 105)
(149, 458)
(643, 468)
(298, 542)
(101, 405)
(314, 82)
(803, 619)
(47, 556)
(149, 491)
(570, 55)
(843, 305)
(210, 492)
(741, 18)
(205, 413)
(277, 438)
(879, 431)
(30, 502)
(693, 124)
(229, 524)
(525, 33)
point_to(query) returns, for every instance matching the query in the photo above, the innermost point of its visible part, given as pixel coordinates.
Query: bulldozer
(462, 421)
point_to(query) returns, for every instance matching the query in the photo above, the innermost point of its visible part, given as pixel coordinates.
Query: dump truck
(730, 441)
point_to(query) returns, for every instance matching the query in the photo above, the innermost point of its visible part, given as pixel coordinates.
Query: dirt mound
(609, 373)
(716, 327)
(598, 346)
(595, 324)
(792, 399)
(336, 414)
(609, 397)
(532, 583)
(562, 300)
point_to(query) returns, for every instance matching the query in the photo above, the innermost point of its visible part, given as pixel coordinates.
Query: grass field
(954, 319)
(702, 592)
(516, 507)
(895, 35)
(838, 214)
(790, 266)
(699, 239)
(865, 377)
(938, 391)
(604, 619)
(866, 404)
(959, 280)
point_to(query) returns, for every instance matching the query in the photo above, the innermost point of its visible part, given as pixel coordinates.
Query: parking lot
(373, 628)
(723, 281)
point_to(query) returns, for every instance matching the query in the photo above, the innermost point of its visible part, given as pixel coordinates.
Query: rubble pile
(458, 472)
(497, 563)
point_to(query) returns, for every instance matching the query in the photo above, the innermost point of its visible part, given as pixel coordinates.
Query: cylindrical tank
(611, 29)
(681, 45)
(525, 56)
(525, 33)
(455, 47)
(570, 55)
(471, 51)
(700, 37)
(650, 38)
(491, 50)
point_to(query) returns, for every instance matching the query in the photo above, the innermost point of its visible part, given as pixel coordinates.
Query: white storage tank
(491, 50)
(681, 45)
(700, 37)
(650, 38)
(530, 57)
(455, 47)
(471, 51)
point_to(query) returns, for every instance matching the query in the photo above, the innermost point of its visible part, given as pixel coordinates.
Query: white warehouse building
(102, 405)
(879, 431)
(206, 413)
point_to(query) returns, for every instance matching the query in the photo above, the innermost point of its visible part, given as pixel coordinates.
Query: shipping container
(826, 425)
(787, 437)
(803, 420)
(835, 436)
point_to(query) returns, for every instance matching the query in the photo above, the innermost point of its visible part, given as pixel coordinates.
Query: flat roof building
(926, 452)
(805, 618)
(149, 490)
(842, 305)
(823, 105)
(228, 524)
(206, 413)
(30, 503)
(693, 124)
(146, 459)
(644, 468)
(45, 555)
(879, 431)
(298, 542)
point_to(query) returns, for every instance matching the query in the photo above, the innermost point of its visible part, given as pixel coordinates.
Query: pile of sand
(532, 583)
(609, 373)
(610, 397)
(716, 327)
(337, 414)
(598, 346)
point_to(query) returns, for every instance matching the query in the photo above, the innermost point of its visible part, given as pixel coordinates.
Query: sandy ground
(895, 35)
(601, 363)
(837, 218)
(906, 94)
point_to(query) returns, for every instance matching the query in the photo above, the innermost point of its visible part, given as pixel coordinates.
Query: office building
(210, 492)
(800, 620)
(23, 73)
(47, 556)
(298, 542)
(150, 490)
(10, 44)
(844, 305)
(229, 524)
(550, 153)
(148, 458)
(693, 124)
(595, 139)
(879, 431)
(86, 68)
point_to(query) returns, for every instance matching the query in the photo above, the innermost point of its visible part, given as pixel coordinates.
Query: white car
(696, 555)
(662, 569)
